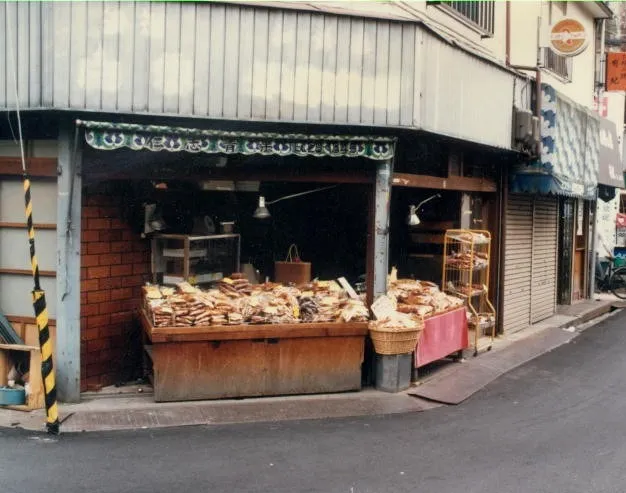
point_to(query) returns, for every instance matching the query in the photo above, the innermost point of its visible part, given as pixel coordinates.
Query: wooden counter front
(213, 362)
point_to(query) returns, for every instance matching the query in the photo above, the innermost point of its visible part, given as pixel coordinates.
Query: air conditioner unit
(523, 125)
(526, 131)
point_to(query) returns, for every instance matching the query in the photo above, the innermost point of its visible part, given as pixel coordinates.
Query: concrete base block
(393, 372)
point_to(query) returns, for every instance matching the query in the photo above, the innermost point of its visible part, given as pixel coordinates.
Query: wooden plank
(173, 56)
(246, 63)
(4, 57)
(23, 52)
(407, 83)
(303, 45)
(27, 272)
(27, 321)
(126, 43)
(294, 175)
(110, 55)
(287, 81)
(47, 54)
(329, 69)
(261, 331)
(355, 75)
(5, 364)
(78, 24)
(342, 70)
(369, 72)
(316, 60)
(217, 56)
(156, 53)
(438, 183)
(202, 64)
(186, 83)
(93, 73)
(382, 73)
(18, 347)
(141, 60)
(274, 58)
(260, 64)
(231, 67)
(188, 371)
(11, 225)
(394, 74)
(37, 166)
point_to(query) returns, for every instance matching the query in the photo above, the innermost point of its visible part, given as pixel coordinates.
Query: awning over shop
(108, 136)
(569, 162)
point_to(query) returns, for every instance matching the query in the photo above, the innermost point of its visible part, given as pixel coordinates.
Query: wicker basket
(395, 340)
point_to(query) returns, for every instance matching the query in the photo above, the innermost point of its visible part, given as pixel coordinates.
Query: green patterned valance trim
(110, 136)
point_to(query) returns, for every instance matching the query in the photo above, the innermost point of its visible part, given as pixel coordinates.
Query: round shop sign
(568, 37)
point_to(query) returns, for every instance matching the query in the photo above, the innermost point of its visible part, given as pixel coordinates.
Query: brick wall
(115, 263)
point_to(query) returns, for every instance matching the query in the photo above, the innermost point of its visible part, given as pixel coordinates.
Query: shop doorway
(574, 220)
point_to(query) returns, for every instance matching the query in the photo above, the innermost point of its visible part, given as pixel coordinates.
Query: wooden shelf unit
(30, 335)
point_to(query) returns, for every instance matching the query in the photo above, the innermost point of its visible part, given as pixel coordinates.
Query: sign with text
(616, 71)
(568, 37)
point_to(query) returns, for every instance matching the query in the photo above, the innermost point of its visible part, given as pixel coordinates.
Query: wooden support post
(68, 265)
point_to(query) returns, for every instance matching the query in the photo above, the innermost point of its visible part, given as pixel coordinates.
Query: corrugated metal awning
(569, 162)
(107, 136)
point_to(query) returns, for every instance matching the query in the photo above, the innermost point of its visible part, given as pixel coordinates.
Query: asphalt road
(557, 424)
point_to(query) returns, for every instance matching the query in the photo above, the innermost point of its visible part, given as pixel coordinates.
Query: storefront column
(393, 373)
(67, 361)
(382, 200)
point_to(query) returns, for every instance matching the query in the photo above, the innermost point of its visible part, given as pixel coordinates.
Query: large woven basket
(395, 340)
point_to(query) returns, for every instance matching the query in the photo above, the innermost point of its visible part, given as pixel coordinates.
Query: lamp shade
(412, 219)
(261, 211)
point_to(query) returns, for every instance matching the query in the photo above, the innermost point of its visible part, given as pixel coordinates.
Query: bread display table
(443, 335)
(213, 362)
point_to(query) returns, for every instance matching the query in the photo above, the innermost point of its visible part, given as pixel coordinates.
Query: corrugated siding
(228, 61)
(517, 263)
(544, 263)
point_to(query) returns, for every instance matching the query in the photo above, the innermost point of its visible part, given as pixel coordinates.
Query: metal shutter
(544, 259)
(517, 262)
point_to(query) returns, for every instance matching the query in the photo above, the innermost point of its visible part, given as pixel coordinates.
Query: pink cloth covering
(443, 335)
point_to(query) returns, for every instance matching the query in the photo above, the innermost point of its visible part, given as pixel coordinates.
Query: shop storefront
(440, 187)
(218, 210)
(549, 212)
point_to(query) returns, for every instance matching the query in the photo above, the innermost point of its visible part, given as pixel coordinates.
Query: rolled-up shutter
(544, 258)
(517, 262)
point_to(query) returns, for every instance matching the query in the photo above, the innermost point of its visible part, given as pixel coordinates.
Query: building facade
(442, 79)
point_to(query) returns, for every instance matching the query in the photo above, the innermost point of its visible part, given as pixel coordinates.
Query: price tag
(346, 285)
(383, 308)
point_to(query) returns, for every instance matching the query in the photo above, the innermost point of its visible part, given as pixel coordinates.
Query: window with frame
(558, 64)
(479, 14)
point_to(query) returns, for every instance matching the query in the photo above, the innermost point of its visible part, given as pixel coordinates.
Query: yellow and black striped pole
(41, 315)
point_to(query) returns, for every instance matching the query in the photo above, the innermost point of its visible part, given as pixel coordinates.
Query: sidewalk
(133, 407)
(454, 383)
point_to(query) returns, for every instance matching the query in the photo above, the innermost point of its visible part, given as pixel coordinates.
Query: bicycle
(610, 277)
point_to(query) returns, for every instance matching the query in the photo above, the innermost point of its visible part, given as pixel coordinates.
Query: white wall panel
(16, 298)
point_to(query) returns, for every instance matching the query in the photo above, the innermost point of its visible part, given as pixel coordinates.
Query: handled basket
(390, 340)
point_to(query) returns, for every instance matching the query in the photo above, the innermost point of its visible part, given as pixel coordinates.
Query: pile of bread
(235, 301)
(465, 260)
(421, 298)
